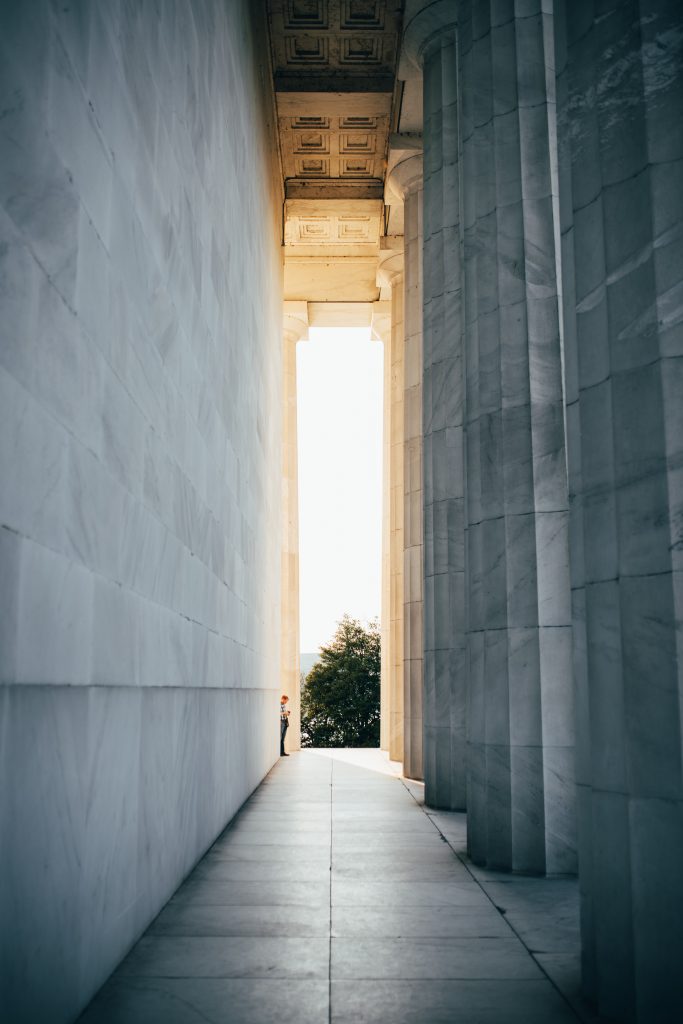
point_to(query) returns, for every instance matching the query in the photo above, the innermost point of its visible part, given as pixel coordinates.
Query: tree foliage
(340, 701)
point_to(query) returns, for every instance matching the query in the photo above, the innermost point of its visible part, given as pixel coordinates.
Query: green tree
(340, 701)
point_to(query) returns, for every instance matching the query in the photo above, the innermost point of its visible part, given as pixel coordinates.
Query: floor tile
(203, 919)
(431, 958)
(282, 826)
(311, 838)
(448, 1002)
(227, 957)
(210, 1001)
(435, 922)
(533, 894)
(385, 841)
(545, 933)
(272, 851)
(367, 825)
(258, 894)
(373, 868)
(262, 871)
(347, 892)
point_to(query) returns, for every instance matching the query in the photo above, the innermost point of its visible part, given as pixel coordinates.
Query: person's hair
(284, 697)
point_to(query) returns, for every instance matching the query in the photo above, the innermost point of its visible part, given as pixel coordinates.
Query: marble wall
(140, 418)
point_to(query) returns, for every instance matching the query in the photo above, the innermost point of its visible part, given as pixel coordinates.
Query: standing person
(284, 722)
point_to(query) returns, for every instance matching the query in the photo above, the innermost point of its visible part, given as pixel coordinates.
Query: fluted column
(404, 185)
(521, 714)
(295, 328)
(430, 44)
(390, 275)
(381, 332)
(620, 112)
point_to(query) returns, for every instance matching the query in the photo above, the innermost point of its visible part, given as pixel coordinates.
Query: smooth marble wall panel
(140, 432)
(620, 111)
(520, 739)
(109, 798)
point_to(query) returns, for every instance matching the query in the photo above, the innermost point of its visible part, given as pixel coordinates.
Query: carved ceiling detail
(334, 69)
(333, 222)
(334, 63)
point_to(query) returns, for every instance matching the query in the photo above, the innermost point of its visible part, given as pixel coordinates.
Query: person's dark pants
(284, 726)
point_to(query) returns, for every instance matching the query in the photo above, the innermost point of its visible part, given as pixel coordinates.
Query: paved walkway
(334, 896)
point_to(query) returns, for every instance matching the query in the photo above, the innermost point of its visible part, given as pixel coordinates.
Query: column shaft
(396, 522)
(445, 681)
(387, 327)
(412, 489)
(295, 329)
(521, 714)
(385, 616)
(620, 116)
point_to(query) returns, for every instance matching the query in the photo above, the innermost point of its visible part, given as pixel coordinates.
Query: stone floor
(334, 895)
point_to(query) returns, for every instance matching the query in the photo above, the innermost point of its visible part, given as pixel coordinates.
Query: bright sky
(339, 388)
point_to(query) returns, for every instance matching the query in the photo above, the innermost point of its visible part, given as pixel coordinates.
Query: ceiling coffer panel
(357, 37)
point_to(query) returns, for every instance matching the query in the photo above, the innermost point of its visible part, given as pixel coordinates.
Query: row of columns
(532, 586)
(499, 719)
(552, 434)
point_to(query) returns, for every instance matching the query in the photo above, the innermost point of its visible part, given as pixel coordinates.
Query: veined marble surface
(140, 363)
(521, 698)
(620, 112)
(445, 679)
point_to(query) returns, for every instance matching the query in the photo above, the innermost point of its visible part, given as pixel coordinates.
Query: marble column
(390, 276)
(381, 332)
(404, 185)
(429, 44)
(620, 122)
(521, 801)
(295, 329)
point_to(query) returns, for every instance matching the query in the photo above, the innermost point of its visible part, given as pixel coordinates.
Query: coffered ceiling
(334, 66)
(334, 63)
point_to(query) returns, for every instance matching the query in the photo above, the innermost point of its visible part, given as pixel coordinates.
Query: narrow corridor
(334, 896)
